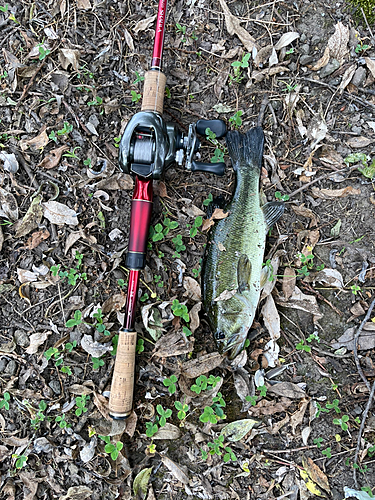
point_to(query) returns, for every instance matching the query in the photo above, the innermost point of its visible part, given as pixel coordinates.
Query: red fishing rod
(148, 146)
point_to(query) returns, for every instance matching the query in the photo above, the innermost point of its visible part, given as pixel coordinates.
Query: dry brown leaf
(207, 223)
(8, 205)
(193, 211)
(83, 4)
(331, 194)
(297, 417)
(234, 28)
(286, 39)
(159, 188)
(117, 181)
(58, 213)
(37, 142)
(330, 277)
(36, 340)
(94, 348)
(80, 390)
(287, 389)
(263, 55)
(102, 405)
(322, 61)
(129, 40)
(175, 469)
(338, 42)
(315, 474)
(69, 57)
(347, 77)
(274, 266)
(303, 302)
(131, 424)
(169, 431)
(36, 239)
(194, 316)
(271, 318)
(53, 158)
(265, 407)
(304, 212)
(30, 483)
(173, 344)
(77, 493)
(144, 24)
(114, 303)
(276, 427)
(357, 309)
(31, 219)
(193, 289)
(15, 441)
(371, 65)
(289, 282)
(203, 364)
(259, 76)
(359, 142)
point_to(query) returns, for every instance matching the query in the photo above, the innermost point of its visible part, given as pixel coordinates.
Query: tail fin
(246, 150)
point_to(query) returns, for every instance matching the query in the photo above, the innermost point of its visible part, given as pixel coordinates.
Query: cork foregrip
(121, 398)
(153, 91)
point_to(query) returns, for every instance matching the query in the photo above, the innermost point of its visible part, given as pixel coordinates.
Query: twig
(292, 450)
(263, 106)
(355, 350)
(364, 416)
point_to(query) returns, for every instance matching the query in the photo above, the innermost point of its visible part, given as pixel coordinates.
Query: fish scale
(237, 244)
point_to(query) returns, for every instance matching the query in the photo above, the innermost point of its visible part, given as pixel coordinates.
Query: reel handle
(208, 168)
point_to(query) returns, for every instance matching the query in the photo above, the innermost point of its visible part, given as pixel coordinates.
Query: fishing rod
(148, 146)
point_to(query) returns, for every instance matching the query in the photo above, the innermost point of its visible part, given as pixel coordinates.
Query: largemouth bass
(232, 275)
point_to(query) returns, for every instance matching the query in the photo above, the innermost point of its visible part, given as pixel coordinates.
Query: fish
(232, 273)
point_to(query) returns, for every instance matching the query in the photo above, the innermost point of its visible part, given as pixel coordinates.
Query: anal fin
(272, 212)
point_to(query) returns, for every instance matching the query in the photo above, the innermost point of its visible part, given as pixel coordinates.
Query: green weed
(203, 383)
(236, 119)
(138, 79)
(39, 417)
(112, 449)
(135, 96)
(4, 403)
(140, 346)
(180, 310)
(281, 197)
(342, 422)
(97, 363)
(170, 383)
(182, 410)
(81, 404)
(20, 460)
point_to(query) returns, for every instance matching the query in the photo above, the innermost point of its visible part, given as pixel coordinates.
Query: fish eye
(219, 335)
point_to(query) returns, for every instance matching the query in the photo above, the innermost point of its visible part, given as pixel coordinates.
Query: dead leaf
(244, 386)
(80, 390)
(271, 318)
(15, 441)
(234, 28)
(95, 349)
(193, 211)
(129, 40)
(371, 65)
(289, 282)
(366, 340)
(37, 238)
(193, 289)
(175, 469)
(117, 181)
(169, 431)
(144, 24)
(238, 429)
(264, 55)
(303, 302)
(102, 405)
(58, 213)
(10, 162)
(305, 434)
(323, 61)
(53, 158)
(279, 425)
(297, 417)
(203, 364)
(271, 274)
(77, 493)
(173, 344)
(25, 276)
(315, 474)
(331, 194)
(69, 57)
(36, 340)
(347, 77)
(338, 42)
(287, 389)
(152, 321)
(259, 76)
(114, 303)
(265, 407)
(83, 4)
(317, 129)
(37, 142)
(286, 39)
(32, 218)
(8, 205)
(194, 316)
(30, 484)
(131, 424)
(160, 189)
(330, 277)
(359, 142)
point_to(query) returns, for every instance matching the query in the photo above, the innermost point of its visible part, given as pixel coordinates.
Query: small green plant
(342, 422)
(4, 403)
(180, 310)
(87, 162)
(220, 150)
(58, 358)
(327, 452)
(208, 200)
(318, 441)
(151, 429)
(117, 141)
(209, 415)
(355, 289)
(238, 66)
(77, 320)
(158, 281)
(252, 400)
(217, 448)
(196, 272)
(144, 297)
(169, 225)
(156, 233)
(60, 420)
(363, 10)
(69, 346)
(101, 219)
(97, 101)
(170, 383)
(182, 410)
(320, 409)
(196, 225)
(236, 119)
(290, 87)
(97, 363)
(366, 169)
(281, 197)
(301, 346)
(43, 52)
(179, 245)
(138, 79)
(164, 414)
(187, 331)
(81, 404)
(361, 47)
(5, 8)
(72, 154)
(262, 390)
(112, 449)
(52, 136)
(121, 283)
(135, 96)
(20, 460)
(182, 31)
(334, 406)
(140, 346)
(289, 51)
(313, 336)
(203, 383)
(67, 128)
(100, 326)
(39, 417)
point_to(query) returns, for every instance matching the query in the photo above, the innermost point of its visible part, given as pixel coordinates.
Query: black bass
(232, 275)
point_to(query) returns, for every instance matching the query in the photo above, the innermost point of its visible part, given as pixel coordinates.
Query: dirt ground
(299, 397)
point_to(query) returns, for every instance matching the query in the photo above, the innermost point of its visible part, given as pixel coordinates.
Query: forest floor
(298, 398)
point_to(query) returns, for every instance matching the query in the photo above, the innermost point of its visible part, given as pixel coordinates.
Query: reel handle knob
(218, 127)
(208, 168)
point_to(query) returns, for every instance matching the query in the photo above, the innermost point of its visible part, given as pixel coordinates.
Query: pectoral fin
(243, 273)
(272, 212)
(264, 276)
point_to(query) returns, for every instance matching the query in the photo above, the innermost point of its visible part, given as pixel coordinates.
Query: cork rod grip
(153, 91)
(121, 398)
